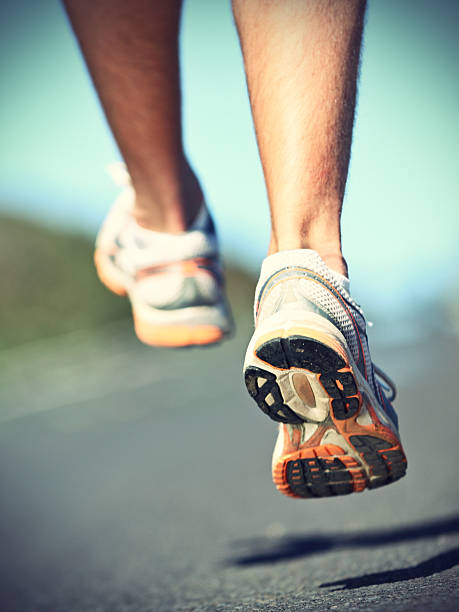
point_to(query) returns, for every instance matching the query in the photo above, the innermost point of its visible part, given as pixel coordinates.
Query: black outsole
(385, 465)
(308, 354)
(324, 477)
(278, 411)
(318, 477)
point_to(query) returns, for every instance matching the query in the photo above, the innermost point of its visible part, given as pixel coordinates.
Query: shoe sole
(362, 456)
(177, 335)
(105, 277)
(172, 336)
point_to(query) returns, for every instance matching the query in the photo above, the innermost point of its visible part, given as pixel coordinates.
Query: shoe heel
(105, 277)
(324, 381)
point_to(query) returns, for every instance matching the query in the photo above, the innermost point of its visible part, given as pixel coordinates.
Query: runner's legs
(301, 60)
(131, 49)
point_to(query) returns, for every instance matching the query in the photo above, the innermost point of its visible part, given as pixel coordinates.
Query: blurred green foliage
(49, 285)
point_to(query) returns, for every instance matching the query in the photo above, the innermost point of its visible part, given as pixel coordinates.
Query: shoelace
(386, 383)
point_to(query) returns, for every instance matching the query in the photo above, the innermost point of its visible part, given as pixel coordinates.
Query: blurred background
(73, 377)
(401, 216)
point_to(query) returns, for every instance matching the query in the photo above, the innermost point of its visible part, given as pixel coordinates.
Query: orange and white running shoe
(174, 281)
(308, 367)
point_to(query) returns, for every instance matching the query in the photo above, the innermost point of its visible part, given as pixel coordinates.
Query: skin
(301, 59)
(131, 49)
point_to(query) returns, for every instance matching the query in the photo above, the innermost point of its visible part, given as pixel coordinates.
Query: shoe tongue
(303, 258)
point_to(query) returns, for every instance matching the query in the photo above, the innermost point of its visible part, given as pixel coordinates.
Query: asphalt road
(135, 479)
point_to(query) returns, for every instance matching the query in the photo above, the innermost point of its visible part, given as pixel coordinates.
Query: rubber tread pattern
(324, 477)
(319, 477)
(278, 411)
(308, 354)
(385, 465)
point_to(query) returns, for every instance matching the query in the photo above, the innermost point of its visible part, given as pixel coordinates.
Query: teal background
(401, 218)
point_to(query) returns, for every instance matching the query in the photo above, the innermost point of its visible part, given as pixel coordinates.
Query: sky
(401, 210)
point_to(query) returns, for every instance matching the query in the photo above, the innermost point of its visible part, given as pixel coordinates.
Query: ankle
(331, 254)
(320, 233)
(169, 215)
(169, 207)
(335, 262)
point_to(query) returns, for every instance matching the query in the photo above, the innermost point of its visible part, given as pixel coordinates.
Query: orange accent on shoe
(360, 479)
(187, 268)
(177, 335)
(356, 471)
(104, 275)
(326, 451)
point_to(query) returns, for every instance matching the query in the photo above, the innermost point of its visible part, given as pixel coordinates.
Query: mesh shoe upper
(298, 280)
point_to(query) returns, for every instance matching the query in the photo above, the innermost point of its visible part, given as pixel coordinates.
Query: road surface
(135, 479)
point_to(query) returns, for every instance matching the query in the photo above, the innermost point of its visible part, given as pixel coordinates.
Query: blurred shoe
(174, 281)
(308, 367)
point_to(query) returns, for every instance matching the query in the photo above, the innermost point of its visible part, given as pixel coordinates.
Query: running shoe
(309, 368)
(174, 281)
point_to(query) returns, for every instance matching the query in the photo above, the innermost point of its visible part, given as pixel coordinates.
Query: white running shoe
(174, 281)
(308, 366)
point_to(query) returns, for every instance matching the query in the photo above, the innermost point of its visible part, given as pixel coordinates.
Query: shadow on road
(439, 563)
(264, 550)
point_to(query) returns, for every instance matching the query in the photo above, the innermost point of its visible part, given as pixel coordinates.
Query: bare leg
(131, 49)
(301, 59)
